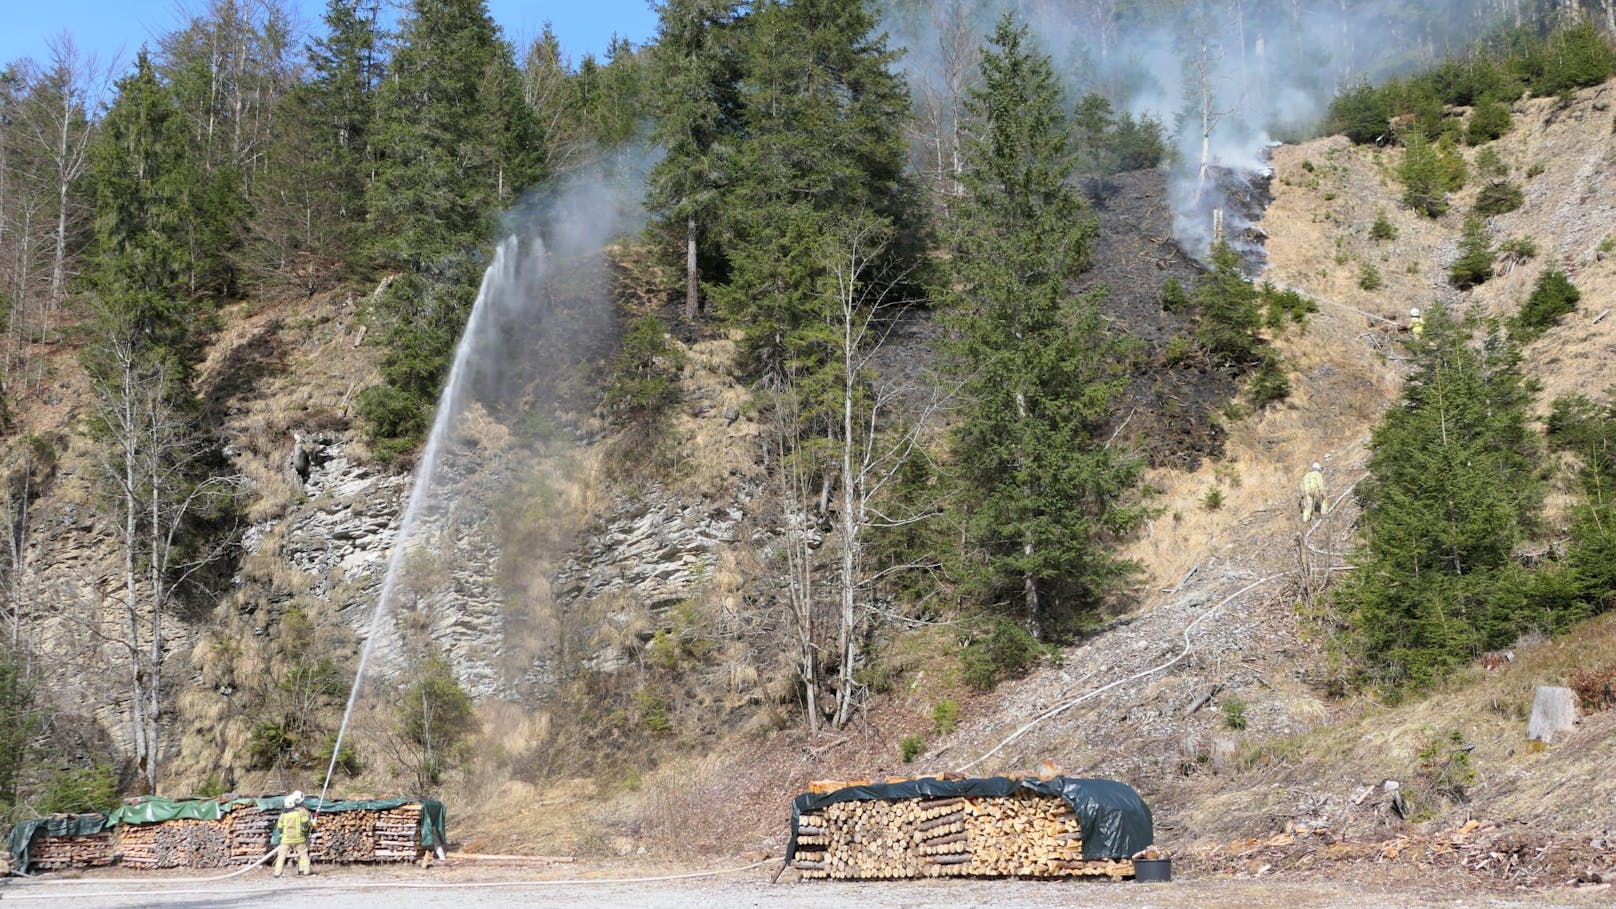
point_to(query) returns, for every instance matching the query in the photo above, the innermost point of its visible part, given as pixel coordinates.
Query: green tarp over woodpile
(1116, 822)
(22, 835)
(155, 810)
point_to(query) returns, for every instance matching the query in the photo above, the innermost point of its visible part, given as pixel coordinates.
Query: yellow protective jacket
(294, 826)
(1313, 484)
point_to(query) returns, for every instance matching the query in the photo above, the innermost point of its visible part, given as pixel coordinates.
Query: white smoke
(1266, 69)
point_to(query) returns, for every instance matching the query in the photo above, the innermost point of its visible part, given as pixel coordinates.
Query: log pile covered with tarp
(221, 833)
(992, 827)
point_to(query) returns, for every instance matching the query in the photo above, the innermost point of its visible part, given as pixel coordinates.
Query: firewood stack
(1023, 835)
(398, 832)
(53, 853)
(239, 837)
(249, 828)
(177, 843)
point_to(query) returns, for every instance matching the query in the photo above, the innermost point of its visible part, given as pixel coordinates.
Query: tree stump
(1554, 711)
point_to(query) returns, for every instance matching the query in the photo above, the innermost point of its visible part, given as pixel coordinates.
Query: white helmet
(295, 799)
(1317, 466)
(1414, 312)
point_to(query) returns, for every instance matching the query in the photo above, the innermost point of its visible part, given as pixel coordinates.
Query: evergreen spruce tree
(1423, 184)
(340, 102)
(1037, 366)
(696, 77)
(1230, 310)
(612, 98)
(1588, 430)
(143, 183)
(1453, 488)
(823, 145)
(453, 139)
(1475, 263)
(444, 145)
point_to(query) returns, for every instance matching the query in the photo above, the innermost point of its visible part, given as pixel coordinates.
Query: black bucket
(1153, 871)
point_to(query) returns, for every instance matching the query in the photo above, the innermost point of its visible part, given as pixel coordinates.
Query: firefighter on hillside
(1312, 493)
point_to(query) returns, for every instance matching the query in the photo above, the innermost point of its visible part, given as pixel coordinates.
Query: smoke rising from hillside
(1225, 78)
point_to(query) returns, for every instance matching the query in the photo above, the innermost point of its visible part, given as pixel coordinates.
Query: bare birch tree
(153, 467)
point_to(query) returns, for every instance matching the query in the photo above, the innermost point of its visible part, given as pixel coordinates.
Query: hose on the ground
(383, 885)
(1063, 707)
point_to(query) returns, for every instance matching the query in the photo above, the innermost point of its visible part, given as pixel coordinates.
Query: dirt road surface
(481, 888)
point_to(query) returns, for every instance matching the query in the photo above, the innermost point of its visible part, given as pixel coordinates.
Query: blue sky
(108, 27)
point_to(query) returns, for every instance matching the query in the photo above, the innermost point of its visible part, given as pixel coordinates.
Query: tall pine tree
(454, 140)
(309, 193)
(1454, 487)
(822, 146)
(1037, 365)
(143, 180)
(696, 75)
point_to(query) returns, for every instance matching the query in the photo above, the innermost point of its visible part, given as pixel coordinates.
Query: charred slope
(1167, 413)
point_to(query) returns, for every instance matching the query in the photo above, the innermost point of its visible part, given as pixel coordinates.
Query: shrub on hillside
(1475, 263)
(1173, 296)
(1283, 306)
(1552, 297)
(1005, 651)
(1269, 384)
(1369, 277)
(1498, 198)
(1488, 121)
(1382, 229)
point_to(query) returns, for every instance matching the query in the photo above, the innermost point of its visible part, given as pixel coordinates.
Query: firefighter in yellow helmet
(1313, 492)
(1416, 324)
(295, 826)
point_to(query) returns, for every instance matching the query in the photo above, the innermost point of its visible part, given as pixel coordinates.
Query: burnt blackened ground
(1168, 412)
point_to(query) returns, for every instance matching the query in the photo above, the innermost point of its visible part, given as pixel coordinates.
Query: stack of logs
(177, 843)
(398, 834)
(238, 838)
(368, 836)
(1024, 835)
(53, 853)
(250, 827)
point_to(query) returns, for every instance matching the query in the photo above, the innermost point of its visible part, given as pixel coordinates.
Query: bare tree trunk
(847, 632)
(1029, 547)
(129, 481)
(692, 280)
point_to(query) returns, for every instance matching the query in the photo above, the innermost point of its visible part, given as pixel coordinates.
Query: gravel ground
(478, 888)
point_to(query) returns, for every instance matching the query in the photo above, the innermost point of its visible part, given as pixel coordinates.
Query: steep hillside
(1215, 696)
(625, 637)
(1220, 695)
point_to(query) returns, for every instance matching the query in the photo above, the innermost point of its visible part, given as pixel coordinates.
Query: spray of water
(541, 319)
(499, 283)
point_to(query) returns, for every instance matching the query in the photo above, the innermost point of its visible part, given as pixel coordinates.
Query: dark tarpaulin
(1116, 822)
(22, 835)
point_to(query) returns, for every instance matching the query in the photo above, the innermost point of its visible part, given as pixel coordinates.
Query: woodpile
(1023, 835)
(177, 843)
(238, 838)
(54, 853)
(398, 834)
(250, 827)
(368, 836)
